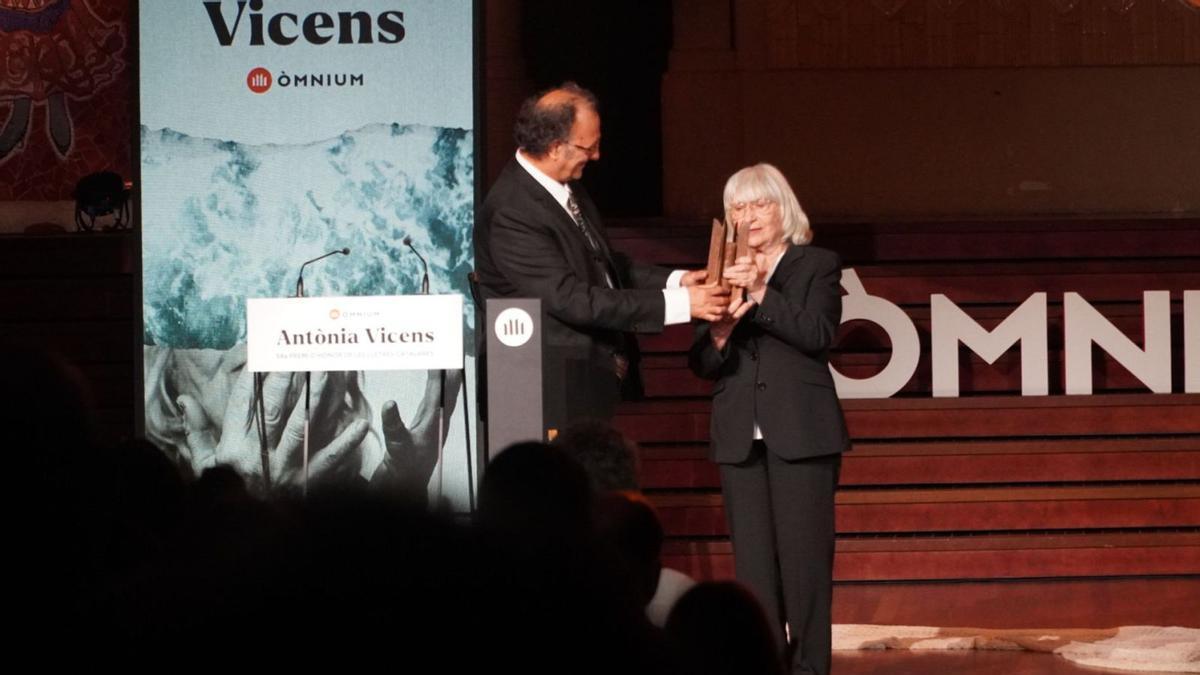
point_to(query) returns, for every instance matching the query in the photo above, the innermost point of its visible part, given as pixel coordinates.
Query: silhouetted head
(46, 414)
(718, 628)
(609, 458)
(631, 529)
(535, 489)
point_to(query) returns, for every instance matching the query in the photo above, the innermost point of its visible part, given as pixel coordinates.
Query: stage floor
(1047, 604)
(968, 662)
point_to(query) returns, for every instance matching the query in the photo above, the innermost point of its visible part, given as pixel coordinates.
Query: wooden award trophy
(727, 244)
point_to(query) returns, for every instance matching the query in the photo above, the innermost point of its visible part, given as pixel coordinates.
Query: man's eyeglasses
(758, 205)
(588, 150)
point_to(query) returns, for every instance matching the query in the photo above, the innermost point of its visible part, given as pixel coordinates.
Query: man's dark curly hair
(609, 458)
(539, 126)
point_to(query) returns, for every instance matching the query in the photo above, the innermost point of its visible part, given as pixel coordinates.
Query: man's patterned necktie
(584, 227)
(593, 243)
(620, 360)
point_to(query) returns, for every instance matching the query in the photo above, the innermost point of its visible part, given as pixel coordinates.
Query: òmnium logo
(513, 327)
(259, 80)
(334, 313)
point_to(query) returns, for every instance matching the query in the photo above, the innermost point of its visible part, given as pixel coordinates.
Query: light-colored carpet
(1141, 648)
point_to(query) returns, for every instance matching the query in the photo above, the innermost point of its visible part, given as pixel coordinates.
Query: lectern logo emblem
(513, 327)
(334, 313)
(259, 80)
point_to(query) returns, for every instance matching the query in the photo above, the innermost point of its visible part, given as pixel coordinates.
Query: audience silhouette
(126, 559)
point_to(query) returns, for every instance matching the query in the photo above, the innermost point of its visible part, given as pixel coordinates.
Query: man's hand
(708, 303)
(693, 278)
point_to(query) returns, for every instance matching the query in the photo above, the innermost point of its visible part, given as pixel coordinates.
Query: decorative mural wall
(66, 92)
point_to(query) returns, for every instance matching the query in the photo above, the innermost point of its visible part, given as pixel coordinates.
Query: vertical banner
(273, 132)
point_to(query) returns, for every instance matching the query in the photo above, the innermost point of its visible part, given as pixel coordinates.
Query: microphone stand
(307, 399)
(441, 410)
(441, 405)
(424, 265)
(307, 373)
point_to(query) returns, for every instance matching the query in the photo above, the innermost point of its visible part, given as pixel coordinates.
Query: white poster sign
(397, 332)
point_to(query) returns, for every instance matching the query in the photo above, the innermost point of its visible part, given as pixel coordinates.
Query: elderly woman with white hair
(777, 428)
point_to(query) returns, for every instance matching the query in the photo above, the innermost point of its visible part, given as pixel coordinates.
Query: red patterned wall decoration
(981, 33)
(65, 94)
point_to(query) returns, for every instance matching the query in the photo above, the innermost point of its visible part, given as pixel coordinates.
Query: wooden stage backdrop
(990, 485)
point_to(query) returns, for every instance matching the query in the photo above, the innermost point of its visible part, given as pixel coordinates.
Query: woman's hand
(749, 272)
(721, 329)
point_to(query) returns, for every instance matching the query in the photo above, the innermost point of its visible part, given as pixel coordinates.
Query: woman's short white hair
(764, 181)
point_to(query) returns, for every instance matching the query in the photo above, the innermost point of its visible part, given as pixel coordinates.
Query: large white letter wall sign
(1083, 325)
(1191, 342)
(1026, 325)
(906, 344)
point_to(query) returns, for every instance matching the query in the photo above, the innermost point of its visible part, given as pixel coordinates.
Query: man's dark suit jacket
(774, 368)
(527, 246)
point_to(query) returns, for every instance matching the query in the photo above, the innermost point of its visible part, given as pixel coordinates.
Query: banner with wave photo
(272, 132)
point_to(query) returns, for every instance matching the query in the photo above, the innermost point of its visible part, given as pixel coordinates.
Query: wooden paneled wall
(914, 109)
(975, 33)
(74, 294)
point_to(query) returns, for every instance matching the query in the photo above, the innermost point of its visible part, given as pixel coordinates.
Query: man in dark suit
(540, 236)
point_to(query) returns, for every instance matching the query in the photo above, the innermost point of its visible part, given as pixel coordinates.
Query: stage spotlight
(98, 195)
